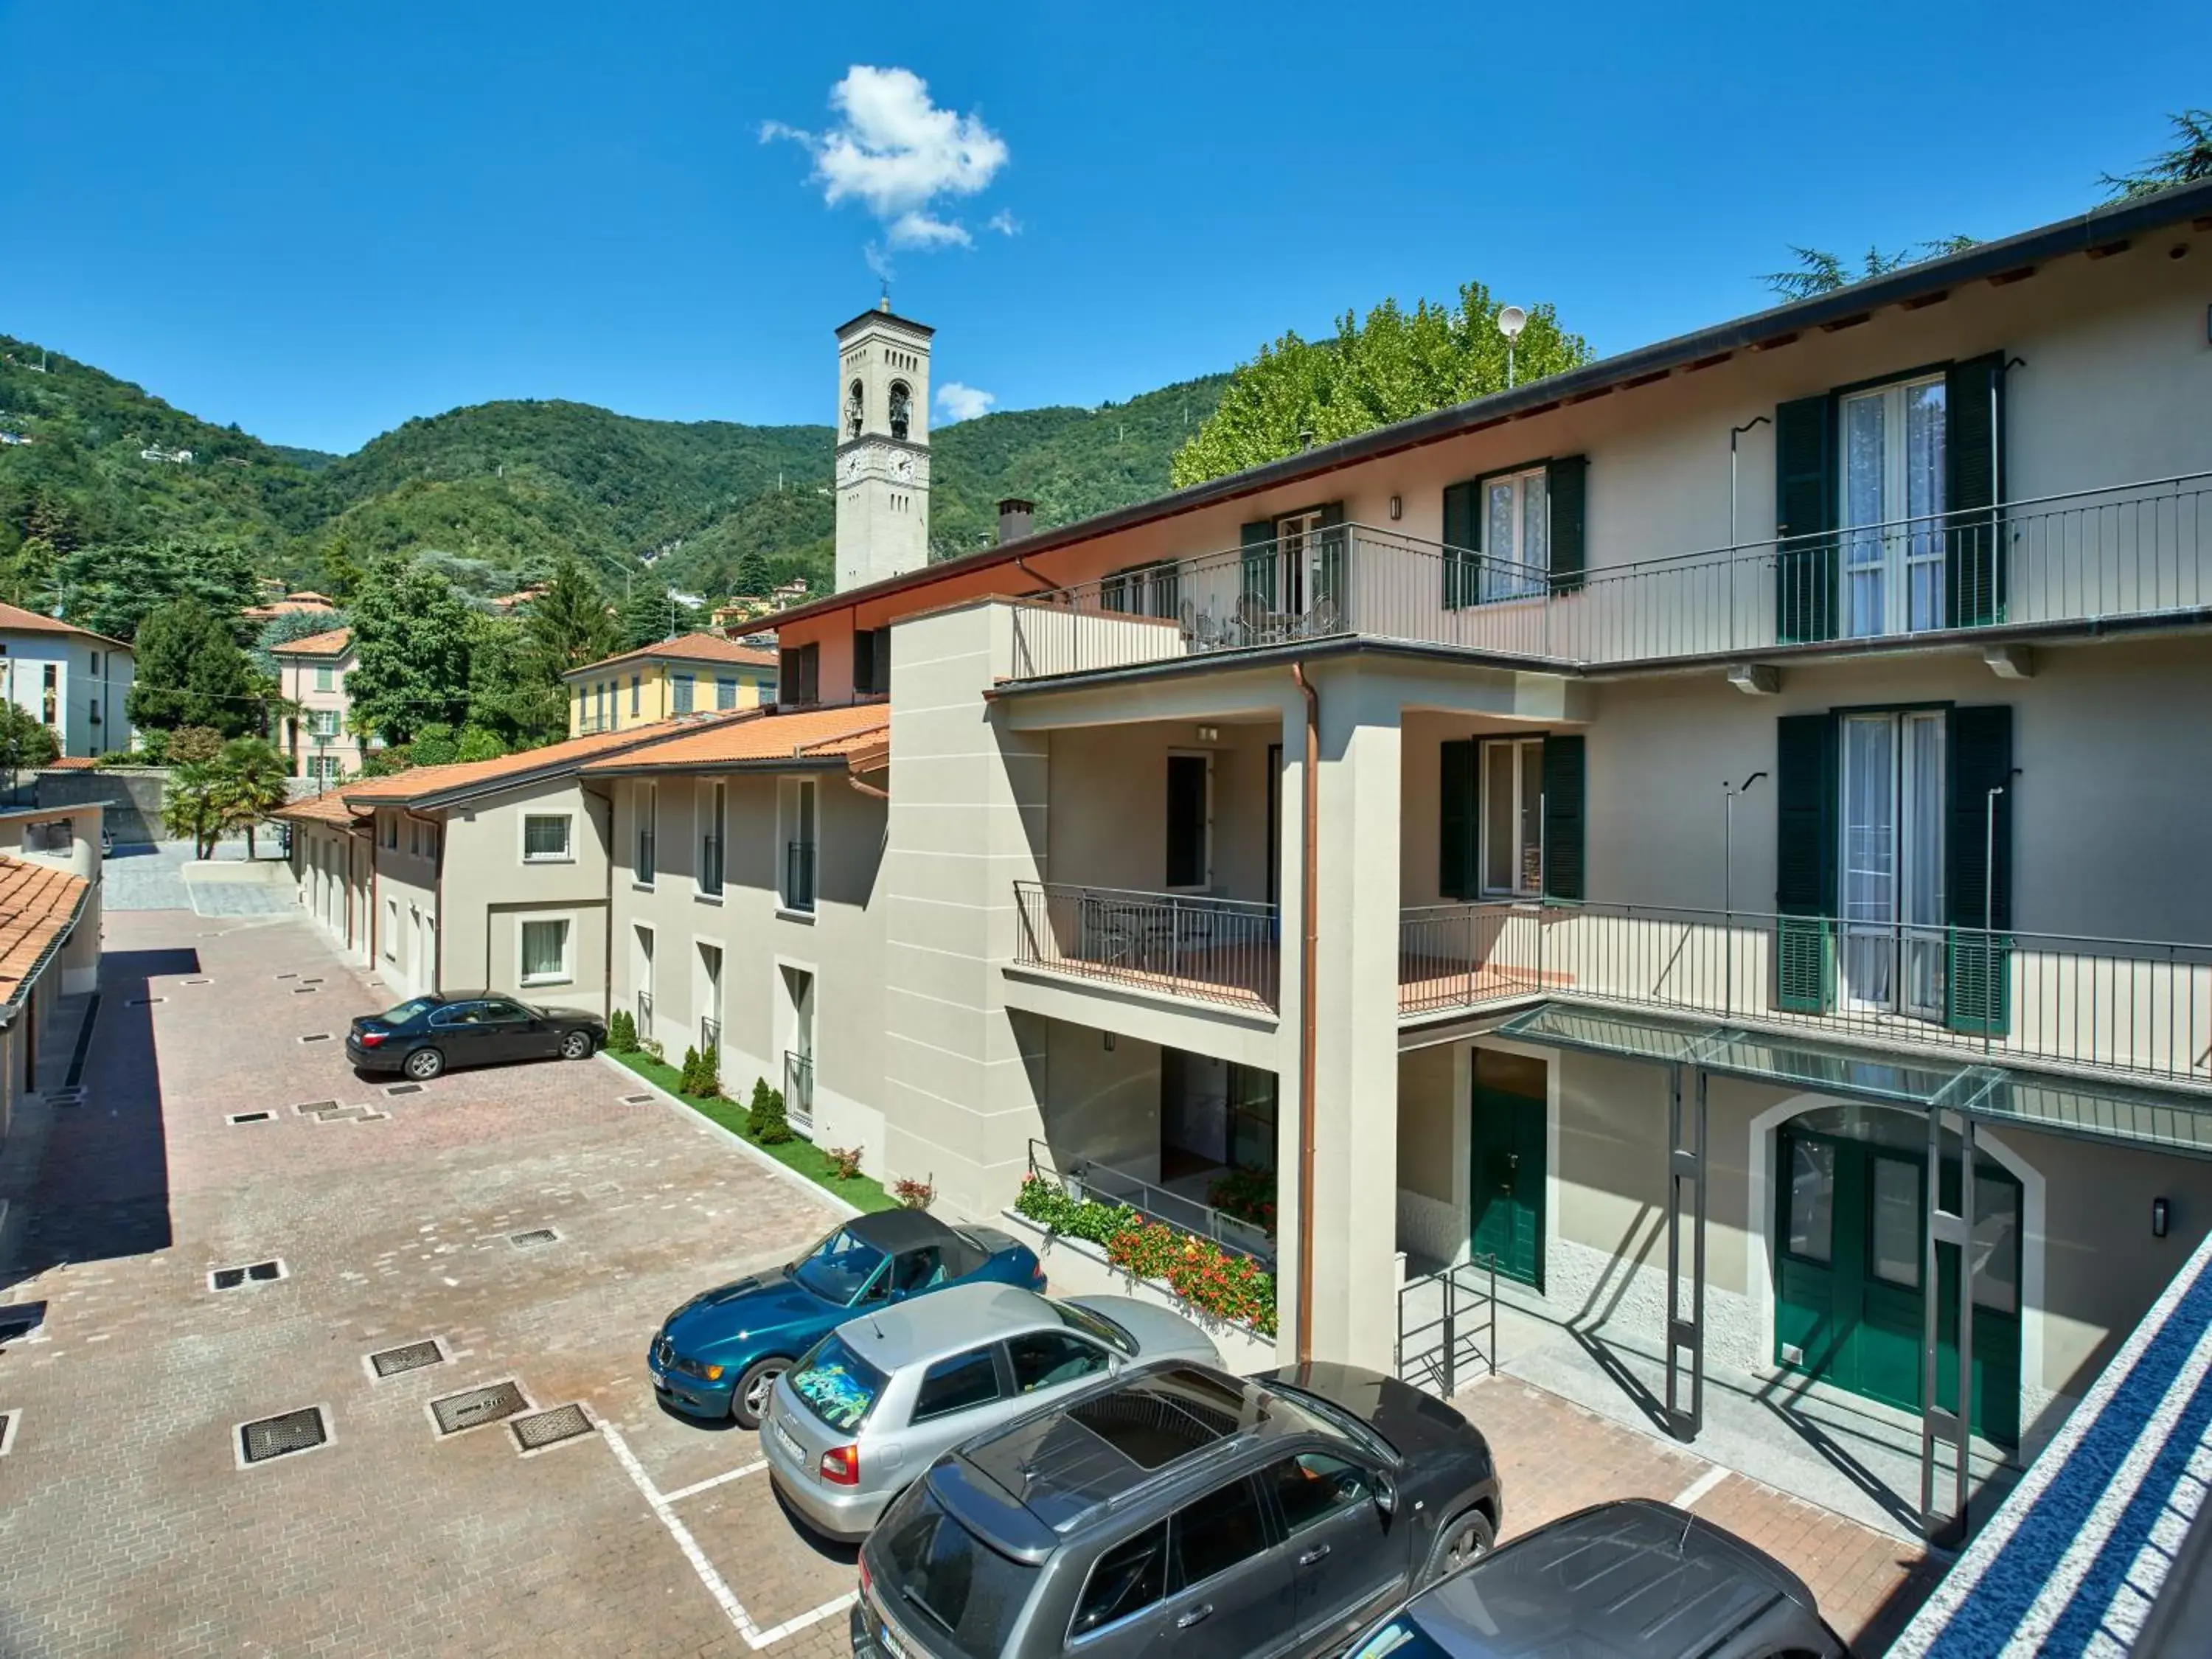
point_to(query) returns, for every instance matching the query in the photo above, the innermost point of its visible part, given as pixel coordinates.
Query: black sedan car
(425, 1035)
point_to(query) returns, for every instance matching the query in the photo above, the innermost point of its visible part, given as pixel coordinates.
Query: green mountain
(495, 492)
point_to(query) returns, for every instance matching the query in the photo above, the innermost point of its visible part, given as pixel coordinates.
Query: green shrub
(622, 1032)
(687, 1074)
(1047, 1203)
(765, 1121)
(710, 1074)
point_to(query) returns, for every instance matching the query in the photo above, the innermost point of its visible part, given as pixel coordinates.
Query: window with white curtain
(1895, 440)
(1516, 534)
(1891, 861)
(546, 837)
(1513, 817)
(545, 951)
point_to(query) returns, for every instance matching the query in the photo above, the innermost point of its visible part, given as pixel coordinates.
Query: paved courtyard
(130, 1523)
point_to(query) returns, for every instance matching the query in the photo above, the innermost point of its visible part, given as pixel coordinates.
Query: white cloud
(896, 153)
(956, 401)
(1005, 223)
(880, 262)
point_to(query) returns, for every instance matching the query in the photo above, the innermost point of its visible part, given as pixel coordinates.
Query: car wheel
(577, 1045)
(748, 1401)
(424, 1064)
(1465, 1540)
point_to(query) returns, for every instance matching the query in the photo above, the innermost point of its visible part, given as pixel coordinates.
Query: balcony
(1210, 949)
(2129, 1008)
(2133, 552)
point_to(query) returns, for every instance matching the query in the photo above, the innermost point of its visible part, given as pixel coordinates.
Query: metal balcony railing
(799, 1092)
(710, 1034)
(1214, 950)
(1086, 1178)
(644, 1016)
(2137, 551)
(2128, 1006)
(799, 875)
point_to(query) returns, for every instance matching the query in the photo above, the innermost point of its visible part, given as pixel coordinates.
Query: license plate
(789, 1442)
(884, 1638)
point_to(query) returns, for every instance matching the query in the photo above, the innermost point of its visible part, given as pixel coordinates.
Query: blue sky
(318, 220)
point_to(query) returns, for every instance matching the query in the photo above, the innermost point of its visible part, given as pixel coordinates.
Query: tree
(510, 695)
(191, 673)
(1395, 365)
(751, 578)
(412, 636)
(286, 626)
(250, 781)
(112, 587)
(2189, 160)
(26, 574)
(644, 617)
(25, 741)
(190, 808)
(1820, 272)
(570, 622)
(341, 575)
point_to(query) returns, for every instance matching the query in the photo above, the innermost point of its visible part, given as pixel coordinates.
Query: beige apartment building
(318, 738)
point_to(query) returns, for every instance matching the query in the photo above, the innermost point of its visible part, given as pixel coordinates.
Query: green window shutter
(1463, 537)
(1978, 889)
(1334, 540)
(1259, 573)
(1805, 571)
(1566, 487)
(1805, 862)
(1973, 463)
(1565, 793)
(1457, 819)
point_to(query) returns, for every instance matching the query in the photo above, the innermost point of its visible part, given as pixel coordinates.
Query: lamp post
(1727, 884)
(1511, 319)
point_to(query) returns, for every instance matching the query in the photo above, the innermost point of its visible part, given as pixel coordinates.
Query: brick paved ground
(128, 1526)
(1555, 1457)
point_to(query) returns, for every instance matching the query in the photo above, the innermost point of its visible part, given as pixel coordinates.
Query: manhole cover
(315, 1107)
(534, 1237)
(637, 1100)
(547, 1428)
(477, 1406)
(411, 1357)
(277, 1437)
(320, 1036)
(251, 1117)
(404, 1089)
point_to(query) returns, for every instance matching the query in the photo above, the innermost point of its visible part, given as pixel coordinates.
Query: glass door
(1891, 863)
(1893, 454)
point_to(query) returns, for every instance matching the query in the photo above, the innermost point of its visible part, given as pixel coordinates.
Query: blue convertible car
(720, 1354)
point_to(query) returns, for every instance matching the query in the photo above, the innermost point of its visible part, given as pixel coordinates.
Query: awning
(2091, 1108)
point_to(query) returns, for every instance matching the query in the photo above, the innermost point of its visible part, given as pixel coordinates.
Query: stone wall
(131, 794)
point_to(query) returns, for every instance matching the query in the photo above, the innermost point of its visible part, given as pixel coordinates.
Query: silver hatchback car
(878, 1401)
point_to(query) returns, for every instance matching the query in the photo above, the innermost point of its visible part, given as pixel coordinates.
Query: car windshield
(1095, 1325)
(838, 1267)
(408, 1010)
(965, 1591)
(1327, 1415)
(838, 1385)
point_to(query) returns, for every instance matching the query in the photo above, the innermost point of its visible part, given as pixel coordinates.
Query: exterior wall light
(1397, 508)
(1209, 734)
(2159, 1215)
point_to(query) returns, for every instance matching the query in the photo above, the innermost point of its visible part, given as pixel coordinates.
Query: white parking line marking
(698, 1486)
(1697, 1488)
(756, 1637)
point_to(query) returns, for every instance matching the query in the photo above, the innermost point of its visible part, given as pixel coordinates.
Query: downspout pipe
(1309, 895)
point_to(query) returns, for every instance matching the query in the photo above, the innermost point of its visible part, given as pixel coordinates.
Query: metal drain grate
(291, 975)
(7, 1431)
(311, 982)
(551, 1428)
(404, 1089)
(279, 1436)
(534, 1237)
(409, 1357)
(477, 1406)
(142, 1002)
(315, 1107)
(305, 990)
(199, 981)
(258, 1273)
(320, 1036)
(637, 1100)
(252, 1117)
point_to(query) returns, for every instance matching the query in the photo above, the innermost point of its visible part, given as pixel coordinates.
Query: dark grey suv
(1177, 1510)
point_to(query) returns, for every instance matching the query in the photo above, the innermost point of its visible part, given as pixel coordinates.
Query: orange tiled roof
(38, 903)
(687, 648)
(70, 764)
(423, 780)
(329, 807)
(805, 733)
(335, 643)
(14, 619)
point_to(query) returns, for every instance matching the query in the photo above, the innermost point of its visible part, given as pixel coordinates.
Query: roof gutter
(14, 1007)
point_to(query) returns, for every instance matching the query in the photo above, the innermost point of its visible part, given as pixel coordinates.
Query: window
(798, 679)
(325, 677)
(1891, 864)
(958, 1384)
(1516, 534)
(1190, 820)
(636, 695)
(546, 838)
(973, 1595)
(726, 693)
(323, 723)
(917, 1271)
(1513, 817)
(1812, 1199)
(1215, 1534)
(392, 832)
(1312, 1486)
(52, 696)
(1894, 1244)
(1892, 440)
(56, 837)
(681, 687)
(872, 662)
(839, 1387)
(800, 850)
(1129, 1578)
(545, 952)
(1145, 590)
(391, 924)
(710, 841)
(1051, 1360)
(649, 830)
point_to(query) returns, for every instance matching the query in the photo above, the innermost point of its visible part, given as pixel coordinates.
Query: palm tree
(251, 782)
(189, 805)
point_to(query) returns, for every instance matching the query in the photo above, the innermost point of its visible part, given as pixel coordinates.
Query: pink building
(312, 674)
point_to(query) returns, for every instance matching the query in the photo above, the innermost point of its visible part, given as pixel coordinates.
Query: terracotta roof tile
(753, 738)
(687, 648)
(38, 902)
(14, 619)
(329, 807)
(70, 764)
(335, 643)
(423, 780)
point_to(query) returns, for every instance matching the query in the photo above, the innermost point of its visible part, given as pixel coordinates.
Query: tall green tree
(1391, 366)
(1821, 272)
(25, 741)
(250, 781)
(27, 573)
(571, 623)
(2189, 160)
(411, 634)
(751, 580)
(510, 694)
(189, 671)
(191, 805)
(287, 626)
(644, 617)
(111, 587)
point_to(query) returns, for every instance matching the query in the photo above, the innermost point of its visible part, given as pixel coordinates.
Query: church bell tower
(883, 447)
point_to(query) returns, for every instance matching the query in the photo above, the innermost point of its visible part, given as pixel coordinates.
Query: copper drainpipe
(1309, 889)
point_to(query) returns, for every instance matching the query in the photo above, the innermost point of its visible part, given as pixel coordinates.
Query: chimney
(1014, 519)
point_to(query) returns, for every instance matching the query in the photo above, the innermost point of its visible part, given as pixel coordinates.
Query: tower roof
(880, 314)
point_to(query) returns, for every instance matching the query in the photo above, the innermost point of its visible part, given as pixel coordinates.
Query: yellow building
(692, 673)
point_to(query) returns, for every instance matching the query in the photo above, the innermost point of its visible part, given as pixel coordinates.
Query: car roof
(1634, 1577)
(928, 1327)
(893, 1230)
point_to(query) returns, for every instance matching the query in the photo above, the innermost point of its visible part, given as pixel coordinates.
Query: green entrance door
(1507, 1207)
(1849, 1305)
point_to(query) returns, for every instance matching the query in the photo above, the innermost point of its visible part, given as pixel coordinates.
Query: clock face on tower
(848, 469)
(902, 469)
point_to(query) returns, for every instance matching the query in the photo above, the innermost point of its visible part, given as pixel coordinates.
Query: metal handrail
(1215, 950)
(1467, 1288)
(1086, 1176)
(710, 1033)
(799, 1091)
(644, 1014)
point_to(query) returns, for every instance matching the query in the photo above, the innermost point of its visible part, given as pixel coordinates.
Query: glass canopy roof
(2058, 1105)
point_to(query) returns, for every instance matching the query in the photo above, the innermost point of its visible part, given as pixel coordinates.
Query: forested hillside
(497, 492)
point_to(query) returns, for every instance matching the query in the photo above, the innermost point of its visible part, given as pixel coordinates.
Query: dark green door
(1508, 1205)
(1850, 1306)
